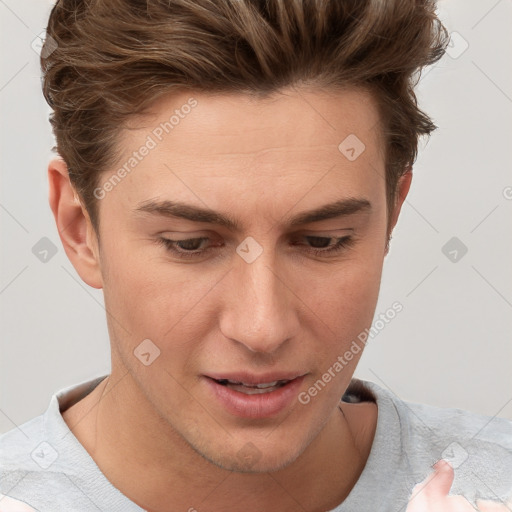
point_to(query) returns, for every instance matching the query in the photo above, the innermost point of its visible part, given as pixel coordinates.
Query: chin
(251, 459)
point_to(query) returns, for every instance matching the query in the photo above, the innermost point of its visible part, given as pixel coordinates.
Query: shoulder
(470, 429)
(22, 458)
(431, 422)
(44, 466)
(40, 459)
(478, 447)
(18, 446)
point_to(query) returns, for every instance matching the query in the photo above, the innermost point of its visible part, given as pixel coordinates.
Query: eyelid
(328, 233)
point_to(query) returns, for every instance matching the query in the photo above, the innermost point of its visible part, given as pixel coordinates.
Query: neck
(149, 462)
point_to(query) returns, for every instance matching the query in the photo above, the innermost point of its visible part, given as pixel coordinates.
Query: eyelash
(341, 243)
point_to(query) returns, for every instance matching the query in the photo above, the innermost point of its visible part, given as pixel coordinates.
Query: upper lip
(252, 378)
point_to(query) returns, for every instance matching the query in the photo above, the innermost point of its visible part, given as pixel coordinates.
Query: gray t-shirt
(44, 466)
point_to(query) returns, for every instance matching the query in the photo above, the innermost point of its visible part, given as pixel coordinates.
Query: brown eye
(187, 248)
(327, 245)
(191, 244)
(318, 241)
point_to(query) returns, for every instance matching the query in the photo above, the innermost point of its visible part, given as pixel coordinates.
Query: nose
(260, 307)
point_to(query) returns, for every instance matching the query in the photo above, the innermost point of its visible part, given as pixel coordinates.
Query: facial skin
(261, 163)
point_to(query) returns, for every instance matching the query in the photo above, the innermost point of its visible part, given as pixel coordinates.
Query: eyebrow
(176, 209)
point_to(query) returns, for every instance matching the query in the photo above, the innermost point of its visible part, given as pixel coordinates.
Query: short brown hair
(113, 58)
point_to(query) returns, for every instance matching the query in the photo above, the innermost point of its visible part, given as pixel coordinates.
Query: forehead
(199, 144)
(288, 118)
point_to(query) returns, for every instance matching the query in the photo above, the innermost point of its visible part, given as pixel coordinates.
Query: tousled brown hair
(110, 59)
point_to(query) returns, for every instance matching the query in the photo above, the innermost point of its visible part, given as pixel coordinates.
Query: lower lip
(262, 405)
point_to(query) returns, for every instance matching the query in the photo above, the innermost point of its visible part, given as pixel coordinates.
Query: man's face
(259, 300)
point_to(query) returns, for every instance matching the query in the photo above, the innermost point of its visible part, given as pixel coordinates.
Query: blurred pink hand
(8, 504)
(431, 495)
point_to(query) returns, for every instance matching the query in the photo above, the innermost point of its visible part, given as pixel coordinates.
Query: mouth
(252, 396)
(253, 389)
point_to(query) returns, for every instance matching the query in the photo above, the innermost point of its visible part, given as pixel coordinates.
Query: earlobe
(73, 223)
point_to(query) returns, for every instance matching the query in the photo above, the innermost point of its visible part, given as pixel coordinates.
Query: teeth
(263, 385)
(253, 389)
(267, 385)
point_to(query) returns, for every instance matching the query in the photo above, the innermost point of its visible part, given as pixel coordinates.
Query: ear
(403, 186)
(74, 225)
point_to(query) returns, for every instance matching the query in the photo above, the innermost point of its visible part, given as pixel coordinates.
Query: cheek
(149, 302)
(148, 295)
(348, 290)
(343, 304)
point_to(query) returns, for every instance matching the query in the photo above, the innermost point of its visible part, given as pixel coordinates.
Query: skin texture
(156, 431)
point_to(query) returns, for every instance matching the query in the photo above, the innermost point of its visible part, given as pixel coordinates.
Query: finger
(442, 479)
(492, 506)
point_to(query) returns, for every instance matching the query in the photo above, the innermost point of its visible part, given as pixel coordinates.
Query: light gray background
(450, 346)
